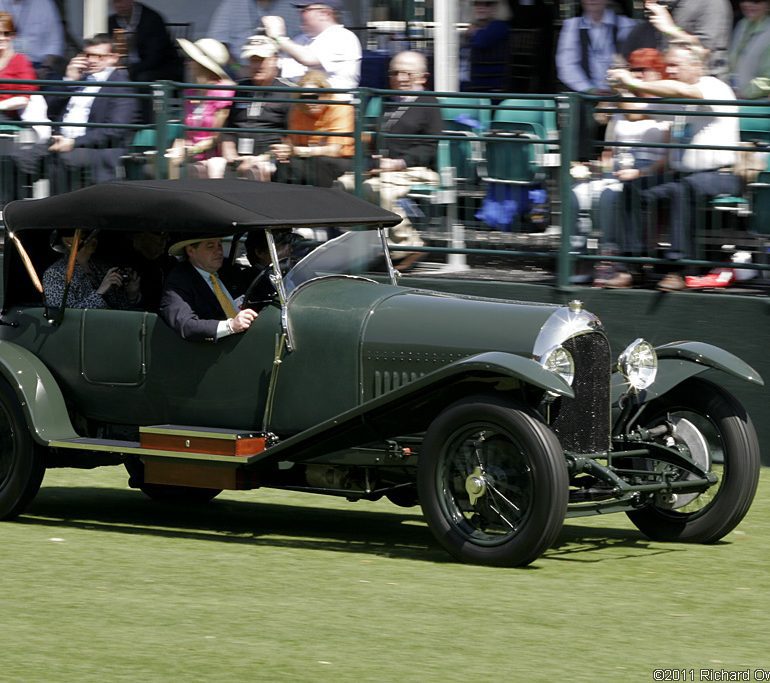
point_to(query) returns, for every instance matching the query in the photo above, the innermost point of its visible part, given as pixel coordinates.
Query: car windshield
(353, 253)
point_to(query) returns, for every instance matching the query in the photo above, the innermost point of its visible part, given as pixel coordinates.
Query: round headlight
(639, 364)
(560, 361)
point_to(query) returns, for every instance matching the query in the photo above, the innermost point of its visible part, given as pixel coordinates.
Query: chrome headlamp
(639, 364)
(560, 361)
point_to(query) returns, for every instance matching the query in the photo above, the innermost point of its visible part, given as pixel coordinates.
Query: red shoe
(716, 278)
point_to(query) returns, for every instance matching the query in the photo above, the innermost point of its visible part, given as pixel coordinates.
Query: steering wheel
(260, 292)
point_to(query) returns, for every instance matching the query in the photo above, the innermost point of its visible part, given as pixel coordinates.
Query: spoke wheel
(714, 429)
(492, 482)
(21, 460)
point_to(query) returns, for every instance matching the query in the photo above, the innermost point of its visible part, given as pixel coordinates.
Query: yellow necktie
(222, 298)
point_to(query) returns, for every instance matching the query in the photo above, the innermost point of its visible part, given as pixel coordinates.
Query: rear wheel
(712, 426)
(21, 459)
(492, 482)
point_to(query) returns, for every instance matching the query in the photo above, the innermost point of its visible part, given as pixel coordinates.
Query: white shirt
(649, 130)
(338, 52)
(706, 130)
(79, 106)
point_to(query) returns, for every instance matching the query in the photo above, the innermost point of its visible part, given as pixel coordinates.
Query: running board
(178, 442)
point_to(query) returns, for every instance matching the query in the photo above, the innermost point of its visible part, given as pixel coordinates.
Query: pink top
(204, 113)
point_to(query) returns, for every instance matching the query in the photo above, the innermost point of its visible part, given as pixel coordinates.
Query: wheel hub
(476, 485)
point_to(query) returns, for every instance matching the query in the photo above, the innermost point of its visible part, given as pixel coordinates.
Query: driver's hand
(242, 320)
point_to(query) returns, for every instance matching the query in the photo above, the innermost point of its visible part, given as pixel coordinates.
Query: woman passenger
(93, 284)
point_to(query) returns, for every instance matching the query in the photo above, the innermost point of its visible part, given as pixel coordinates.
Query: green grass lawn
(98, 583)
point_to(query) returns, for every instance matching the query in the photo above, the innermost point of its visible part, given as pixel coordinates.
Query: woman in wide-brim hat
(207, 59)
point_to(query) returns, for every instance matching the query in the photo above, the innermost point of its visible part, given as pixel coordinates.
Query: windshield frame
(279, 282)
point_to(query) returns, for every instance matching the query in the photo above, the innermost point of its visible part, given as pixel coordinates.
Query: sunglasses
(402, 72)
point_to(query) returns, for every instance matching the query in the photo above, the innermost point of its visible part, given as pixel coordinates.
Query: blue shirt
(602, 48)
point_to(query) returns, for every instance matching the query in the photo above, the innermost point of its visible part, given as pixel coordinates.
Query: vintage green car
(499, 418)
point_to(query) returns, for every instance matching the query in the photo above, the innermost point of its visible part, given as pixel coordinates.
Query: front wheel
(713, 427)
(492, 481)
(21, 459)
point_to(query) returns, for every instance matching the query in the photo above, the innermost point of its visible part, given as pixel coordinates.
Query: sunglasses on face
(402, 72)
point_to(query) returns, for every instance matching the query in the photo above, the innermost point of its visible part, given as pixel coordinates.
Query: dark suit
(151, 44)
(99, 149)
(188, 305)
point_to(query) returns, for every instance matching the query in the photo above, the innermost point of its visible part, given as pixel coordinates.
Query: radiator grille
(583, 423)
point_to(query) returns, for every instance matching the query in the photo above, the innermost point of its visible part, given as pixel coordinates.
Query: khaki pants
(386, 189)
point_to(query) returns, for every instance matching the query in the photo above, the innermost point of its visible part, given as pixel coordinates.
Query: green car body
(362, 388)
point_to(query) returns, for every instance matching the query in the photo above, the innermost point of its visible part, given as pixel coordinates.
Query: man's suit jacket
(158, 58)
(116, 110)
(188, 305)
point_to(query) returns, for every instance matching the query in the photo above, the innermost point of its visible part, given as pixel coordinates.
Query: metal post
(161, 93)
(358, 149)
(570, 110)
(446, 47)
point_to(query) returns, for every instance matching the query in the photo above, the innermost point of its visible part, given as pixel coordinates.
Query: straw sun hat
(209, 53)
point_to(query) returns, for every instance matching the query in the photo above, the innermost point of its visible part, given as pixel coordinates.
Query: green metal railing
(455, 200)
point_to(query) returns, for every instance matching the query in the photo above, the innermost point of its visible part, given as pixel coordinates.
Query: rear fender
(39, 395)
(388, 415)
(679, 361)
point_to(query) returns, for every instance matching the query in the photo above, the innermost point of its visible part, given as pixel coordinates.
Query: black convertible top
(205, 206)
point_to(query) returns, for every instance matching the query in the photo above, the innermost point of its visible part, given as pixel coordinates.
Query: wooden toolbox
(210, 440)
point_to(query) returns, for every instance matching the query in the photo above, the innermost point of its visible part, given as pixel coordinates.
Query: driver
(290, 247)
(194, 302)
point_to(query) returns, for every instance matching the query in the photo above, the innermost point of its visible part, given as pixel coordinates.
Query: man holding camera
(709, 21)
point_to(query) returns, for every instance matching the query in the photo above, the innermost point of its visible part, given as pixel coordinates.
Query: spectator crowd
(239, 119)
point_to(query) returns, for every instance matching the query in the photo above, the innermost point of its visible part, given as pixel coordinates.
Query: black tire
(726, 433)
(516, 465)
(21, 459)
(166, 493)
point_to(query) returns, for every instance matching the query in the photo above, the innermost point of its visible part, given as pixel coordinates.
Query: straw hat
(177, 248)
(209, 53)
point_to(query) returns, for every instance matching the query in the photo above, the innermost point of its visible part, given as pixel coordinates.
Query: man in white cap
(255, 111)
(324, 45)
(195, 303)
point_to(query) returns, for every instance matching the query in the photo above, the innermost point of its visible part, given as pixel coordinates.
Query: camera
(125, 274)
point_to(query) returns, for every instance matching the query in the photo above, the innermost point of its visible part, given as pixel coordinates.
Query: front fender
(385, 416)
(38, 393)
(679, 361)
